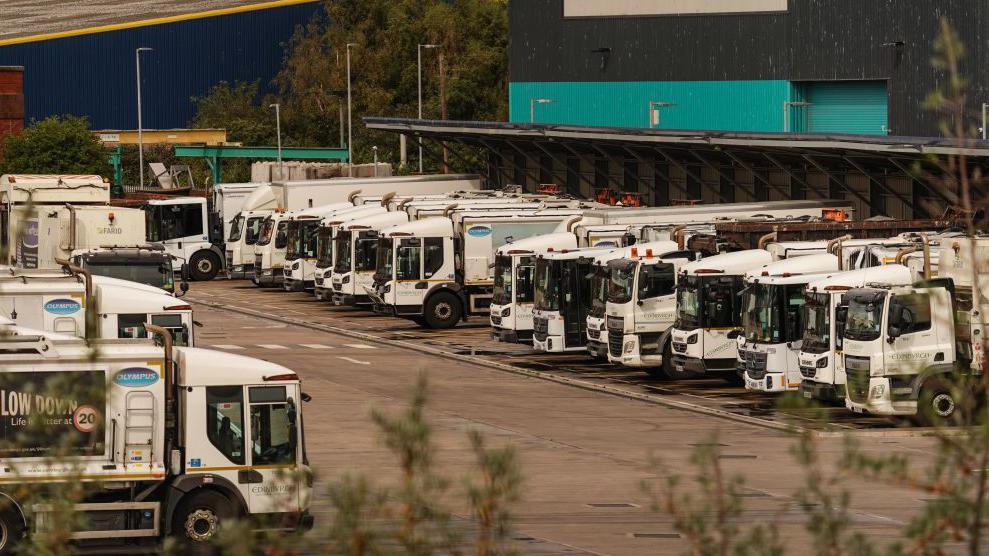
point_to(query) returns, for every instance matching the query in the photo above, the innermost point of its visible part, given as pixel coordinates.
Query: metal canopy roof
(875, 158)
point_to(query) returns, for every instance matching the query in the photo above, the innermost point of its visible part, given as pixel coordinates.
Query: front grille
(615, 338)
(857, 384)
(680, 347)
(495, 320)
(808, 372)
(593, 333)
(616, 323)
(540, 328)
(319, 280)
(755, 364)
(337, 287)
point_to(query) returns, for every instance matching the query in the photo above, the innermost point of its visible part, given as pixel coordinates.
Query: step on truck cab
(641, 305)
(909, 350)
(708, 308)
(302, 235)
(439, 270)
(772, 310)
(825, 314)
(356, 249)
(164, 441)
(60, 303)
(514, 287)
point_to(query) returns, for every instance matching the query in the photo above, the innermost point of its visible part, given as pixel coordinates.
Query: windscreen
(252, 230)
(384, 268)
(152, 273)
(365, 251)
(622, 281)
(502, 280)
(266, 232)
(324, 247)
(547, 296)
(236, 229)
(599, 291)
(817, 315)
(689, 295)
(865, 318)
(341, 244)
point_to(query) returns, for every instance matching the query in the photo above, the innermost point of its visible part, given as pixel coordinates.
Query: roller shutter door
(858, 107)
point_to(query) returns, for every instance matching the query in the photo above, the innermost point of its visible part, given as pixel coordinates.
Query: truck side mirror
(893, 333)
(184, 286)
(184, 272)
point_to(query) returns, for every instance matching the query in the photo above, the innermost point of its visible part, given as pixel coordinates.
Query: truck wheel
(443, 311)
(667, 370)
(199, 517)
(204, 266)
(11, 531)
(938, 404)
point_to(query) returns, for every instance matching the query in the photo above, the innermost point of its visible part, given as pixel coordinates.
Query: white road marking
(357, 361)
(271, 346)
(360, 346)
(225, 346)
(316, 346)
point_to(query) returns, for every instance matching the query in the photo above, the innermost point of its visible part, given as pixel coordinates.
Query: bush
(56, 145)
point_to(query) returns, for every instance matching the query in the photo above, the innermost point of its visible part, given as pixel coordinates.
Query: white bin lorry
(707, 310)
(772, 310)
(356, 249)
(920, 350)
(164, 441)
(641, 305)
(439, 270)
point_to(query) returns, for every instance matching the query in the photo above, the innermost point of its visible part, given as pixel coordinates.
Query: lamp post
(140, 122)
(786, 112)
(350, 123)
(654, 108)
(985, 112)
(532, 107)
(278, 132)
(419, 58)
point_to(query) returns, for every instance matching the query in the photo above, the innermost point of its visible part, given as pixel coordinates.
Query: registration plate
(678, 367)
(752, 384)
(807, 394)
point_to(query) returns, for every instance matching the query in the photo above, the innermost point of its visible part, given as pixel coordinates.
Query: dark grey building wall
(815, 40)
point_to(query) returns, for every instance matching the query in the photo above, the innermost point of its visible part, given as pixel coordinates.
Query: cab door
(273, 448)
(913, 342)
(656, 284)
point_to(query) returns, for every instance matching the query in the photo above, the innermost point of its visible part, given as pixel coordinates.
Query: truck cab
(825, 314)
(302, 232)
(511, 310)
(355, 248)
(149, 266)
(912, 350)
(244, 233)
(174, 441)
(182, 226)
(641, 305)
(708, 309)
(562, 299)
(772, 309)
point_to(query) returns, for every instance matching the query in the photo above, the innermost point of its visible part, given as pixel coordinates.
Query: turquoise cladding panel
(702, 105)
(847, 107)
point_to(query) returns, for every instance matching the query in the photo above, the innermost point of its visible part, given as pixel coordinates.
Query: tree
(56, 145)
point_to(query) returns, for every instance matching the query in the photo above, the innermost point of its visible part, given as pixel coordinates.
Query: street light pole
(350, 123)
(786, 112)
(532, 107)
(278, 131)
(419, 63)
(654, 108)
(140, 122)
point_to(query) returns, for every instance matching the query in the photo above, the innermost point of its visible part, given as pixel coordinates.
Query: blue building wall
(94, 74)
(707, 105)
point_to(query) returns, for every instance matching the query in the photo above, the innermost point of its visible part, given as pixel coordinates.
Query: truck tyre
(667, 370)
(198, 519)
(443, 310)
(938, 403)
(204, 266)
(11, 530)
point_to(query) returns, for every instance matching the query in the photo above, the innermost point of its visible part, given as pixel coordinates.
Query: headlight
(629, 346)
(346, 279)
(822, 362)
(878, 391)
(506, 311)
(692, 339)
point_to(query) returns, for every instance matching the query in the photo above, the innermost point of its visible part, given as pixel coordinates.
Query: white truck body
(182, 226)
(105, 413)
(355, 253)
(707, 310)
(726, 211)
(228, 200)
(420, 274)
(909, 350)
(772, 320)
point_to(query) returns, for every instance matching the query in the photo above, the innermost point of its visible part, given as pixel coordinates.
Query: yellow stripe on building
(154, 21)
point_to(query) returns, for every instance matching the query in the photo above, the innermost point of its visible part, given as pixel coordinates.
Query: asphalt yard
(584, 450)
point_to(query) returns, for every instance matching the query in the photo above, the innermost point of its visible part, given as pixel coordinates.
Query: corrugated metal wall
(94, 75)
(847, 107)
(816, 40)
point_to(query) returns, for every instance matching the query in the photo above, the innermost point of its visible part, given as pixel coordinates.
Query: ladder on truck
(139, 427)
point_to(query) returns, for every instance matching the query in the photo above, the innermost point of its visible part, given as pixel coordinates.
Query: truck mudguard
(930, 371)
